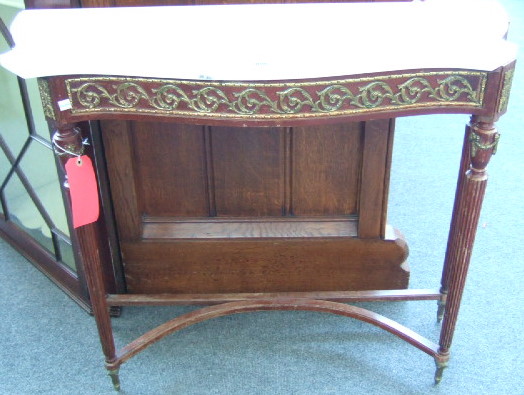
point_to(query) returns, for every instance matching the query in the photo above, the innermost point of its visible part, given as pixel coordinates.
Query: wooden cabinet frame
(482, 94)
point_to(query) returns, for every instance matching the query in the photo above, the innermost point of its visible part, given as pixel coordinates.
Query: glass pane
(23, 212)
(41, 127)
(4, 164)
(38, 165)
(13, 126)
(19, 4)
(67, 254)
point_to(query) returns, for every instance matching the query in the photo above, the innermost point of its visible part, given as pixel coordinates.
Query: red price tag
(83, 189)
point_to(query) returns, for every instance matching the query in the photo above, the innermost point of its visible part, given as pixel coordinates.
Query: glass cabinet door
(32, 211)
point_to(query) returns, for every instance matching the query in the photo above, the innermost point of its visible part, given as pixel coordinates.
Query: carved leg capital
(67, 143)
(483, 140)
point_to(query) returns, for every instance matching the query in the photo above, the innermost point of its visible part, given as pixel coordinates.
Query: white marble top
(260, 42)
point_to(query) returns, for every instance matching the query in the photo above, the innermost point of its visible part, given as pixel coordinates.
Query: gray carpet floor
(50, 346)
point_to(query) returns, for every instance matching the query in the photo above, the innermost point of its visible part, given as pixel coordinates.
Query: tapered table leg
(481, 141)
(68, 142)
(87, 237)
(451, 250)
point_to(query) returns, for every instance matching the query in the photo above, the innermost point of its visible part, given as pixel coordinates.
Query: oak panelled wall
(215, 209)
(207, 209)
(194, 171)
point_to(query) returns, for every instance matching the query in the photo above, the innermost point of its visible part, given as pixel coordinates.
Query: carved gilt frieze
(45, 96)
(286, 100)
(506, 89)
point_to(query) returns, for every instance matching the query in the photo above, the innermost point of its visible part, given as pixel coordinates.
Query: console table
(221, 184)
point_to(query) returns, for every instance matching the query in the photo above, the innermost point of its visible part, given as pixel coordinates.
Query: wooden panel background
(195, 171)
(171, 177)
(248, 171)
(326, 170)
(215, 209)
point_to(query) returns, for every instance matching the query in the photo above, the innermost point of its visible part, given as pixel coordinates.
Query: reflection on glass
(23, 212)
(41, 127)
(39, 168)
(67, 254)
(13, 123)
(4, 163)
(32, 195)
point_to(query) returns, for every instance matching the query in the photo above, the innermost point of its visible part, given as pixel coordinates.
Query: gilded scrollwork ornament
(277, 100)
(45, 96)
(506, 89)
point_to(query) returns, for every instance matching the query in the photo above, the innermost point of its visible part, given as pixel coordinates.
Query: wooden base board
(266, 265)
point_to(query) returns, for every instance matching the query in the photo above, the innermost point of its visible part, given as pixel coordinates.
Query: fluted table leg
(480, 144)
(68, 143)
(450, 251)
